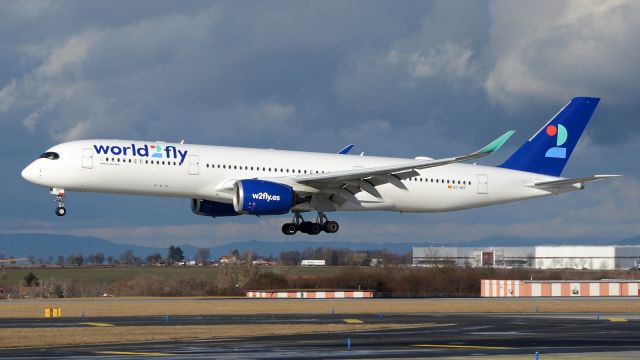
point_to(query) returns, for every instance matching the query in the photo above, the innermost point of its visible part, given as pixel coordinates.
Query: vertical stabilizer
(549, 149)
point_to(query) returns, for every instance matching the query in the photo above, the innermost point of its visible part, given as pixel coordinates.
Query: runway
(443, 335)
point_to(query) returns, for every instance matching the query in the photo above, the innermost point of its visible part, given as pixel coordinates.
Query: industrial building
(610, 257)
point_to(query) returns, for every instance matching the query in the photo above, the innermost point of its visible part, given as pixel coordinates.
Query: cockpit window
(50, 155)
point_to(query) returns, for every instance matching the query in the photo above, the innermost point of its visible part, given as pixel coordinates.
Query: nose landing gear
(60, 209)
(308, 227)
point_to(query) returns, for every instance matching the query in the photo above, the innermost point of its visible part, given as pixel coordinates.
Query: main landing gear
(308, 227)
(60, 209)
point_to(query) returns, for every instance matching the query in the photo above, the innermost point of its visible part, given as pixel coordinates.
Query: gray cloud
(417, 78)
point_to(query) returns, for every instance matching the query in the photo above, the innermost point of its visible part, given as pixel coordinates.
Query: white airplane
(229, 181)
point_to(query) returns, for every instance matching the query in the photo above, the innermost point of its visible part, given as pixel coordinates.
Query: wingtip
(497, 143)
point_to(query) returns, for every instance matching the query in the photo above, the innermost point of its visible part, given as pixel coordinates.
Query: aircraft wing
(366, 179)
(570, 184)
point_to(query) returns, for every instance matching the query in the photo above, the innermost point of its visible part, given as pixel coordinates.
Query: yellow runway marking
(617, 319)
(353, 321)
(132, 353)
(446, 346)
(96, 324)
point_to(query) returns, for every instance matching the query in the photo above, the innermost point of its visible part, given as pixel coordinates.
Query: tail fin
(548, 150)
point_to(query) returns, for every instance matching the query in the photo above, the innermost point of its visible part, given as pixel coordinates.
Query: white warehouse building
(609, 257)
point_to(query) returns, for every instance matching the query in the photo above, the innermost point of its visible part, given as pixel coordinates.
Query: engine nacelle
(212, 208)
(259, 197)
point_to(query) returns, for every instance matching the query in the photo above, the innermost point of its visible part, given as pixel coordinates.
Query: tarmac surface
(450, 335)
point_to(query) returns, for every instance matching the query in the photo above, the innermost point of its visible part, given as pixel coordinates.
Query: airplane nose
(29, 173)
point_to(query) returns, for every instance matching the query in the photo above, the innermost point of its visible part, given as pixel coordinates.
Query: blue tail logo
(549, 149)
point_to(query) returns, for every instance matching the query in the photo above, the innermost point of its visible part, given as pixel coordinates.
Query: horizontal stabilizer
(567, 183)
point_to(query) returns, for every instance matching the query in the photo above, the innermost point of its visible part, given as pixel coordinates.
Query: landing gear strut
(308, 227)
(60, 209)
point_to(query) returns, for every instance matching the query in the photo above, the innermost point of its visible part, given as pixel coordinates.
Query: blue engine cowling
(259, 197)
(212, 208)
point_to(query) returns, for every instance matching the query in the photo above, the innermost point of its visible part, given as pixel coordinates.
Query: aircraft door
(483, 184)
(194, 164)
(87, 158)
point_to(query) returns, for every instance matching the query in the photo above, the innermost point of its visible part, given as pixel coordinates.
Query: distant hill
(45, 245)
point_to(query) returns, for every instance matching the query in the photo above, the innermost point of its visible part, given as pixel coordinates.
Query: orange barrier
(310, 294)
(558, 288)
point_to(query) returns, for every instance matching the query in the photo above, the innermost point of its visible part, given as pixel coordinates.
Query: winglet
(346, 149)
(495, 144)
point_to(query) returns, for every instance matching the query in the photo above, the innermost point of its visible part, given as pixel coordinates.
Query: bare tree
(203, 256)
(99, 258)
(75, 259)
(128, 258)
(154, 258)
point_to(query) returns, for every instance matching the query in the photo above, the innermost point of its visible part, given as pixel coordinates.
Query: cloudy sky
(401, 79)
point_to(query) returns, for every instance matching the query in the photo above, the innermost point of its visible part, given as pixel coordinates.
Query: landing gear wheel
(289, 229)
(314, 229)
(305, 227)
(61, 211)
(331, 227)
(59, 193)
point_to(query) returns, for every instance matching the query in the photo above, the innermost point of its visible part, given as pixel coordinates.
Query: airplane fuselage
(208, 172)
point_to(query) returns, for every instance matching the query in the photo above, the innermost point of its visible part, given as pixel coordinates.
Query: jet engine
(212, 208)
(259, 197)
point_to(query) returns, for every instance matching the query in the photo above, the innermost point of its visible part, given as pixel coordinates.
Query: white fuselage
(208, 172)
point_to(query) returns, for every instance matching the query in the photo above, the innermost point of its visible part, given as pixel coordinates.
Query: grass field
(43, 337)
(90, 275)
(143, 306)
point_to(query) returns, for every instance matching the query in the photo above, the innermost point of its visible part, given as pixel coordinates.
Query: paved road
(478, 334)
